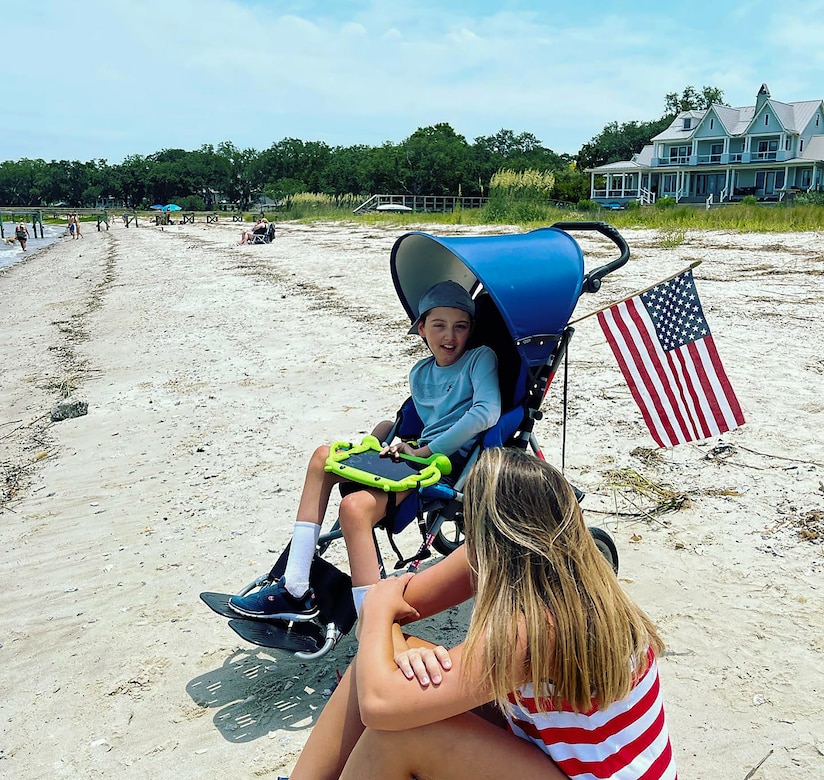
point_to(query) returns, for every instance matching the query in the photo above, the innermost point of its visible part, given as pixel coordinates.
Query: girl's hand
(424, 664)
(387, 595)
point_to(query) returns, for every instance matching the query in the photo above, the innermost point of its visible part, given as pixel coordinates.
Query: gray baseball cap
(449, 294)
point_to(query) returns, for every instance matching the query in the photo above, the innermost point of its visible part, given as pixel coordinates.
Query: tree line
(432, 161)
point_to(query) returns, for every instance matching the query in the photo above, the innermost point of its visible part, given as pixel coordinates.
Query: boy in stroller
(455, 392)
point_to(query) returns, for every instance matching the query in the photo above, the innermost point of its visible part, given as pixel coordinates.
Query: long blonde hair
(542, 580)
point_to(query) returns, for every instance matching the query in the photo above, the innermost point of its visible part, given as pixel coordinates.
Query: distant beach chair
(265, 238)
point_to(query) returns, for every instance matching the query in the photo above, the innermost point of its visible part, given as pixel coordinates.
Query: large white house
(721, 154)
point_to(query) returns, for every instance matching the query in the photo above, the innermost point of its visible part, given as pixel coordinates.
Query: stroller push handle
(592, 281)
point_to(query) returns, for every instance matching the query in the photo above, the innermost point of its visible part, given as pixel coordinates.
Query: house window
(801, 145)
(766, 119)
(687, 123)
(712, 124)
(806, 177)
(817, 119)
(767, 149)
(715, 152)
(678, 155)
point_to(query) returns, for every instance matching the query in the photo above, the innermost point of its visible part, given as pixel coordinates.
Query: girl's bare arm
(444, 585)
(387, 699)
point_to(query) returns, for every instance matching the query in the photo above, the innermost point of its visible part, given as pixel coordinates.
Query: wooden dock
(34, 216)
(420, 203)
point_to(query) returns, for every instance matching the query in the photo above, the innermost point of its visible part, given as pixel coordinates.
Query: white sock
(358, 595)
(304, 542)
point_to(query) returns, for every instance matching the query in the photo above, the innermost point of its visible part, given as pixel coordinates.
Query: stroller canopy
(535, 279)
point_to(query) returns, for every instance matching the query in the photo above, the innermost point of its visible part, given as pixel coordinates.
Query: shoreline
(11, 255)
(212, 371)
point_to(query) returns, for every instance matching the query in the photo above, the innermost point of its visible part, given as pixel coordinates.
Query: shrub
(665, 203)
(191, 203)
(587, 205)
(749, 200)
(633, 205)
(809, 198)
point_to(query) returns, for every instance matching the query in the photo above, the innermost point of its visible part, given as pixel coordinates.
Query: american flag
(666, 352)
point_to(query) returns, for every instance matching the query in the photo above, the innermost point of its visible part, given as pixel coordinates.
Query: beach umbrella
(157, 206)
(172, 207)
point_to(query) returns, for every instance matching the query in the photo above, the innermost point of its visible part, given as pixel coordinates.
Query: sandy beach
(211, 372)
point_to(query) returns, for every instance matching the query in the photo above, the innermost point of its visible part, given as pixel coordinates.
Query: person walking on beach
(77, 233)
(71, 225)
(21, 233)
(559, 659)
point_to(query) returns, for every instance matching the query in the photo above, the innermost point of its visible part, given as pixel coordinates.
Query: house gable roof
(781, 111)
(793, 118)
(813, 149)
(804, 113)
(676, 131)
(724, 117)
(640, 161)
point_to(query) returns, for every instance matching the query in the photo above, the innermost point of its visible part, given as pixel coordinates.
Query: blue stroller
(525, 287)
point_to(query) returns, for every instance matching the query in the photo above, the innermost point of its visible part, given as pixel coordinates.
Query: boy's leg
(359, 513)
(291, 598)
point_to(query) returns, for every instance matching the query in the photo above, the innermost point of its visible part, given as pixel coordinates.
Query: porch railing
(647, 197)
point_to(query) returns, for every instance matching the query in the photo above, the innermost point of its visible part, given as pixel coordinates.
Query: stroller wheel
(450, 536)
(603, 541)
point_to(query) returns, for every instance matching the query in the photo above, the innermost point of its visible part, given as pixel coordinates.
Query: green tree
(691, 99)
(619, 142)
(346, 171)
(381, 169)
(284, 190)
(132, 180)
(240, 185)
(571, 185)
(435, 161)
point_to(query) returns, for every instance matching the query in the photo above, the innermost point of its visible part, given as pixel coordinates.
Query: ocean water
(12, 253)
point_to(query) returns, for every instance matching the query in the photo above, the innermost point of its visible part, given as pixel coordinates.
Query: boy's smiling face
(446, 331)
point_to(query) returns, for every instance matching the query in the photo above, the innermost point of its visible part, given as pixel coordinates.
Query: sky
(106, 79)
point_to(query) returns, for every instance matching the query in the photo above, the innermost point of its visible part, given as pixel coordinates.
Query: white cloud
(142, 77)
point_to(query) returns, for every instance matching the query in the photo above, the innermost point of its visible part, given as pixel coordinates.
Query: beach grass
(672, 223)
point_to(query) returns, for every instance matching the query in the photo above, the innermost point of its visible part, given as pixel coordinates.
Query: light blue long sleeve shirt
(456, 402)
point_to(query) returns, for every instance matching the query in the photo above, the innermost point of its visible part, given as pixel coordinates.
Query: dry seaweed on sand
(634, 486)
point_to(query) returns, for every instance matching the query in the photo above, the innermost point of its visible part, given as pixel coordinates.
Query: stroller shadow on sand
(258, 692)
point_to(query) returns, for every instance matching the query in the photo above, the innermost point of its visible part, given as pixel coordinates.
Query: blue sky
(108, 78)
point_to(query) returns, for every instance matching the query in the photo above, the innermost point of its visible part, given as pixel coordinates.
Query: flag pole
(635, 294)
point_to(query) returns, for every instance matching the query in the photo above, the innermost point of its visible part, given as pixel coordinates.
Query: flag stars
(675, 312)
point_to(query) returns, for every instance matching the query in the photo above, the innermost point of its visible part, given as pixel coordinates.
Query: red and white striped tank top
(626, 741)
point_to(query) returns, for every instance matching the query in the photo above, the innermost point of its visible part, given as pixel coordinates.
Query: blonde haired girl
(565, 654)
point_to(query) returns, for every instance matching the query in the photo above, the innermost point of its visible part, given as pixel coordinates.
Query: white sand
(212, 371)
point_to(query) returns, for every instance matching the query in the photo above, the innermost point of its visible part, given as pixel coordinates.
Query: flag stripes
(683, 392)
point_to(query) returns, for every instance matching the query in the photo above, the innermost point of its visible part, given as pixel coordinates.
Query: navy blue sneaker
(274, 602)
